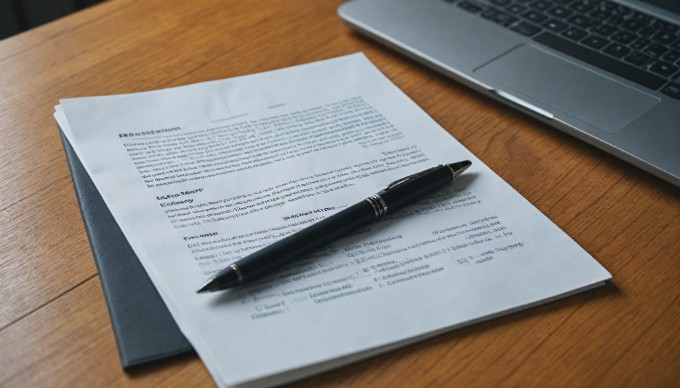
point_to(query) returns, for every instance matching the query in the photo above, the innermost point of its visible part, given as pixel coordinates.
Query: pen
(393, 197)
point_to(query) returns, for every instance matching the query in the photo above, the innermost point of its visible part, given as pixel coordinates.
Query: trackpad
(538, 76)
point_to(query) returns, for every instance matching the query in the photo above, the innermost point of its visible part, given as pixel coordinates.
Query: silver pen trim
(238, 273)
(378, 204)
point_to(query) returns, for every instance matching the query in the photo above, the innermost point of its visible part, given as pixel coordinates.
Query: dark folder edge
(143, 327)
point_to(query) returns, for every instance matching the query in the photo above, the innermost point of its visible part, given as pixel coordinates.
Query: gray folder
(144, 329)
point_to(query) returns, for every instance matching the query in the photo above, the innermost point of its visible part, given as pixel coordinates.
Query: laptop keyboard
(631, 44)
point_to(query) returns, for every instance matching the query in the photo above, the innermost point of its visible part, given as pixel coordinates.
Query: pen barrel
(305, 241)
(338, 225)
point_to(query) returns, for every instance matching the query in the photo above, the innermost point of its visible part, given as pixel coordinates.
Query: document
(199, 176)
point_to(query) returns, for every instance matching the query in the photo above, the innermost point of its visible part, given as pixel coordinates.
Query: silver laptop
(607, 72)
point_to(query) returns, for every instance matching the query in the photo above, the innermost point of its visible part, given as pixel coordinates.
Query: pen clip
(409, 178)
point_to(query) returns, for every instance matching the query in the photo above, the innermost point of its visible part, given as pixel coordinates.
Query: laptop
(607, 72)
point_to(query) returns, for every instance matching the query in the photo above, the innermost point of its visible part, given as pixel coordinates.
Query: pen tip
(209, 286)
(228, 278)
(460, 167)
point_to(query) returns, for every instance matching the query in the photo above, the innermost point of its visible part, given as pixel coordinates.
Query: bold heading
(147, 133)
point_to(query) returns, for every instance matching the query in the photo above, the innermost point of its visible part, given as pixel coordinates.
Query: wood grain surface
(54, 326)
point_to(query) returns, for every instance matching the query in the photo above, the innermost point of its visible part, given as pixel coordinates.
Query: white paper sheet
(201, 175)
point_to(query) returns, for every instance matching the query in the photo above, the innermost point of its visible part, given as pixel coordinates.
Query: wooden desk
(54, 326)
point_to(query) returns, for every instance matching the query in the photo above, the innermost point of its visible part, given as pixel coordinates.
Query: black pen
(393, 197)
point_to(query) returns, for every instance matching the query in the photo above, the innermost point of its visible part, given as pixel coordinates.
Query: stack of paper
(201, 175)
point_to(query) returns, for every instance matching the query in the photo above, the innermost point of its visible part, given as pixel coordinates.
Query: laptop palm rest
(541, 77)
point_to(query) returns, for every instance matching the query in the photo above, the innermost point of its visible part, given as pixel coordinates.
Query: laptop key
(499, 17)
(672, 56)
(655, 49)
(602, 61)
(525, 28)
(535, 17)
(560, 12)
(505, 19)
(640, 43)
(574, 33)
(555, 25)
(581, 21)
(663, 68)
(616, 50)
(599, 14)
(647, 31)
(608, 6)
(623, 36)
(665, 26)
(638, 59)
(632, 25)
(641, 17)
(672, 89)
(583, 6)
(541, 5)
(616, 20)
(603, 29)
(664, 37)
(596, 42)
(516, 8)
